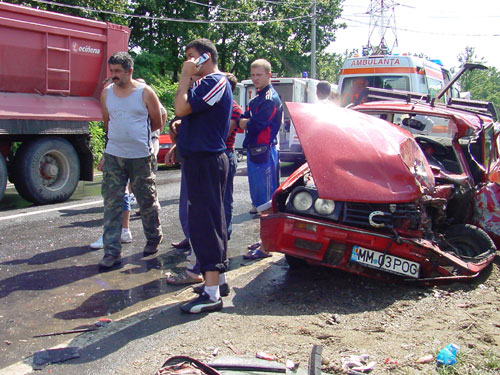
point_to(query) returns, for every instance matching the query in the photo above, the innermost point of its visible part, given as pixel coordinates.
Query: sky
(441, 29)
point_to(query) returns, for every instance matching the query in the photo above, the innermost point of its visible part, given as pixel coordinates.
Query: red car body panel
(165, 145)
(356, 159)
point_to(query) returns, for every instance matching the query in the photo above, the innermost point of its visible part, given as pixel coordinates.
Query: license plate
(374, 259)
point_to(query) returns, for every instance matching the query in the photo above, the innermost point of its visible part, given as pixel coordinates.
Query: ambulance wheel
(47, 170)
(468, 241)
(3, 177)
(295, 263)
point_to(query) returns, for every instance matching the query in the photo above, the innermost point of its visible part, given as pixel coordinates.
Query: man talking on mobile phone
(205, 110)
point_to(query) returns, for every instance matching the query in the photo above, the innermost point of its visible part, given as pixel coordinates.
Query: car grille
(389, 216)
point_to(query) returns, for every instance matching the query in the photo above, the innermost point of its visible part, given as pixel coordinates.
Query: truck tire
(3, 177)
(47, 170)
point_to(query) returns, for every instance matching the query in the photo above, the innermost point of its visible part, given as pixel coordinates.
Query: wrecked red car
(392, 189)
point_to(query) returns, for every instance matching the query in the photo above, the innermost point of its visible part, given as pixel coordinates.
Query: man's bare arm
(153, 106)
(104, 110)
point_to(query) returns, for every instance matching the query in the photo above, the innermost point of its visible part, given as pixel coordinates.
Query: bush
(97, 140)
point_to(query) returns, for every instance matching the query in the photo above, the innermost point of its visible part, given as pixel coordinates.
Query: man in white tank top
(126, 106)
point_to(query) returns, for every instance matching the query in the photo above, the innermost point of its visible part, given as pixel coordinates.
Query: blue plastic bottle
(448, 355)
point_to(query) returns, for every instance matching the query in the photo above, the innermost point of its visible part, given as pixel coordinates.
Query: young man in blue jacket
(262, 121)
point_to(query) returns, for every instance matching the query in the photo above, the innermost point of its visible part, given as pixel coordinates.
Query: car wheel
(47, 170)
(468, 242)
(295, 263)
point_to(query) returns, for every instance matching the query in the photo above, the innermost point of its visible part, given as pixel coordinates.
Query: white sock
(213, 292)
(222, 278)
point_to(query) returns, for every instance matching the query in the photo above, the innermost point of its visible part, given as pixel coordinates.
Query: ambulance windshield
(352, 88)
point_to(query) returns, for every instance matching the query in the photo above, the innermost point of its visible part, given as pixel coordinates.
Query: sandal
(256, 254)
(254, 246)
(182, 279)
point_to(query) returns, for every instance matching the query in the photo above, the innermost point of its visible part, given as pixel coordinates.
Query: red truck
(52, 68)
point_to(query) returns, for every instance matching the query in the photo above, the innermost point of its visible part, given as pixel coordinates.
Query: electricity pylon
(383, 23)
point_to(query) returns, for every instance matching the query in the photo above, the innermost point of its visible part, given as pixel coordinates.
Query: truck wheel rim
(54, 170)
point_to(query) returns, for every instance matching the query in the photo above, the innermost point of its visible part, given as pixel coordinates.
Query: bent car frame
(402, 188)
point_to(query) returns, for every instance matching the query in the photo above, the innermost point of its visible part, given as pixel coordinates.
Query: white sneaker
(98, 244)
(126, 236)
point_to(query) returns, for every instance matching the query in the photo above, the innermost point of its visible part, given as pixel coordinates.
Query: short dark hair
(232, 80)
(323, 89)
(122, 58)
(204, 45)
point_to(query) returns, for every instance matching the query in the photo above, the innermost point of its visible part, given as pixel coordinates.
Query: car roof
(467, 122)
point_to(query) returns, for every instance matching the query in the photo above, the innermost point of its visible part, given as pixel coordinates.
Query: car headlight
(324, 206)
(302, 201)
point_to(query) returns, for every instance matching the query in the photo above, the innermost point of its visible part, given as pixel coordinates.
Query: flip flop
(254, 246)
(183, 245)
(182, 278)
(256, 254)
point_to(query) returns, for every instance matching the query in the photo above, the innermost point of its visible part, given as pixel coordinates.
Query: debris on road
(358, 364)
(425, 359)
(80, 330)
(266, 356)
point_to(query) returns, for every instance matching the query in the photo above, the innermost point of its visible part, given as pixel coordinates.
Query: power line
(212, 6)
(425, 32)
(169, 19)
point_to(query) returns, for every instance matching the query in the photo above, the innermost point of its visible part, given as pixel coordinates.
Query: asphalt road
(49, 280)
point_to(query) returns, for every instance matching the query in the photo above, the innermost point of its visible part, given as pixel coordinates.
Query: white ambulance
(397, 72)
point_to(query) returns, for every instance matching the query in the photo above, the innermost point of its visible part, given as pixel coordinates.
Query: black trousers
(206, 176)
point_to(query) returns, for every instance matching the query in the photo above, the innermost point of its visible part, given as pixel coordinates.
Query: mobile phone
(202, 59)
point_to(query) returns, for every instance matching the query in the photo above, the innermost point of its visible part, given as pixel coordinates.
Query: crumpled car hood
(356, 157)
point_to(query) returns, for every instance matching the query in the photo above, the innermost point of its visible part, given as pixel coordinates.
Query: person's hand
(174, 129)
(170, 158)
(242, 124)
(189, 68)
(100, 164)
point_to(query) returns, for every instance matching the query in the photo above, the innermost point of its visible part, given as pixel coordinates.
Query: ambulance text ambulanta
(397, 72)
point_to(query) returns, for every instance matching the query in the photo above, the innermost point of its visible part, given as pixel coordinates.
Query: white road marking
(93, 203)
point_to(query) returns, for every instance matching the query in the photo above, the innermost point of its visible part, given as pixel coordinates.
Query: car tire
(468, 242)
(47, 170)
(295, 263)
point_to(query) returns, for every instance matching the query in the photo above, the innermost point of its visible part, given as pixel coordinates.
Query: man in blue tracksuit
(262, 121)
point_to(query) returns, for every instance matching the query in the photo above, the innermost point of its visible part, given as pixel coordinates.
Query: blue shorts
(127, 201)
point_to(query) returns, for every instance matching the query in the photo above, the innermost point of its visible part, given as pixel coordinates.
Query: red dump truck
(51, 71)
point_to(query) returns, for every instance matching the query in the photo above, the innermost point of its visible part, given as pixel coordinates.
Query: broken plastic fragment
(266, 356)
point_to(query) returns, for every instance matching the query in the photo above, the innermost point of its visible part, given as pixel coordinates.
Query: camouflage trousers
(116, 173)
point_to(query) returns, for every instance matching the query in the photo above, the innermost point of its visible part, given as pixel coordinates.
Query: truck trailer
(52, 69)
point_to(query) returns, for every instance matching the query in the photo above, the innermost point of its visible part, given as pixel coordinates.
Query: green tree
(330, 64)
(482, 84)
(279, 31)
(85, 9)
